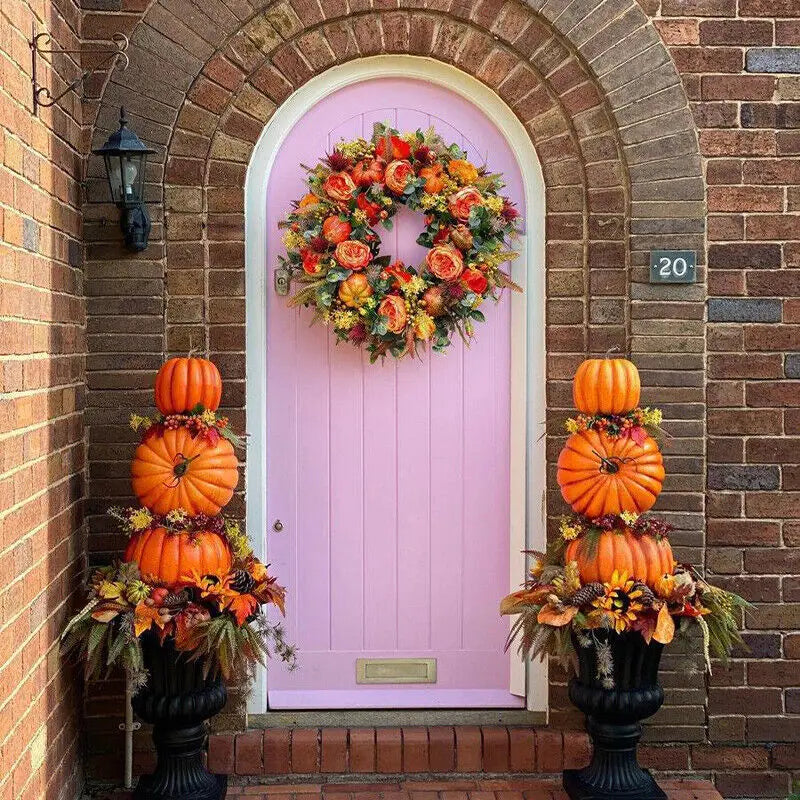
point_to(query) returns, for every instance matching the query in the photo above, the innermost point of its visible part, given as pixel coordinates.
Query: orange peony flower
(339, 186)
(400, 148)
(393, 307)
(445, 262)
(368, 172)
(398, 174)
(336, 230)
(355, 290)
(463, 171)
(474, 280)
(462, 201)
(434, 178)
(352, 254)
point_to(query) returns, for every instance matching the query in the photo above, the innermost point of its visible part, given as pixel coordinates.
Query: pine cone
(242, 581)
(647, 598)
(586, 594)
(175, 600)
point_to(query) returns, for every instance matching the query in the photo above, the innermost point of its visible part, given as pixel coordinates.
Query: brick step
(437, 749)
(499, 789)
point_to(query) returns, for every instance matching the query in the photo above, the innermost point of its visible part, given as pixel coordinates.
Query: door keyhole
(277, 526)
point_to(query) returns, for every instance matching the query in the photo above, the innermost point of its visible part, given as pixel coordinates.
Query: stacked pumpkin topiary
(189, 574)
(611, 566)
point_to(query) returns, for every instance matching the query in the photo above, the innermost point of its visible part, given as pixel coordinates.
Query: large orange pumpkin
(606, 386)
(644, 557)
(184, 383)
(600, 475)
(166, 557)
(174, 470)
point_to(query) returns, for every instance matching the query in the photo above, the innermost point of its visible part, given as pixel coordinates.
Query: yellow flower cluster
(652, 417)
(177, 517)
(493, 203)
(208, 417)
(237, 539)
(629, 517)
(571, 425)
(137, 421)
(140, 519)
(344, 320)
(360, 217)
(293, 240)
(568, 530)
(413, 287)
(357, 149)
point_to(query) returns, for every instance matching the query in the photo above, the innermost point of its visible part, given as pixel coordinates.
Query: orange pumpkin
(434, 178)
(600, 475)
(166, 557)
(184, 383)
(355, 290)
(174, 470)
(606, 386)
(645, 557)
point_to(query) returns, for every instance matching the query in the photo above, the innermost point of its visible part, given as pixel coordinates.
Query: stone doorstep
(519, 789)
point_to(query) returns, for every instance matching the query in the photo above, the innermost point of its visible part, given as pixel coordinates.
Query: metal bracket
(39, 47)
(282, 278)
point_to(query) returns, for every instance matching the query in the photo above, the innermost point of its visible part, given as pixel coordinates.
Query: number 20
(669, 267)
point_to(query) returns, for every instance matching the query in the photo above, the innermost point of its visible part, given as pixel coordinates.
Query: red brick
(305, 751)
(333, 750)
(495, 749)
(468, 749)
(727, 758)
(549, 751)
(522, 755)
(221, 756)
(415, 750)
(362, 750)
(389, 750)
(249, 753)
(577, 749)
(441, 741)
(276, 751)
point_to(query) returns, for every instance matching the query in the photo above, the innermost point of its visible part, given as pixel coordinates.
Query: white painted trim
(527, 314)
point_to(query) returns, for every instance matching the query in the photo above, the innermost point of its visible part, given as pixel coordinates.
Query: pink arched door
(392, 480)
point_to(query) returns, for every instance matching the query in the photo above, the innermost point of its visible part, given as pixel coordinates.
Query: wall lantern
(125, 156)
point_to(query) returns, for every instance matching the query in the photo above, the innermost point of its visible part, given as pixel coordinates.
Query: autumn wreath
(333, 249)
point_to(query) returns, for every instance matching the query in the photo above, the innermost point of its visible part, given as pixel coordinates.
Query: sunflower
(620, 603)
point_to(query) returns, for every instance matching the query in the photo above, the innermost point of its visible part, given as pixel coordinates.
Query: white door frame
(527, 320)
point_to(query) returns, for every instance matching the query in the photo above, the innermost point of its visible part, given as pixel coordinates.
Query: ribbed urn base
(177, 701)
(615, 702)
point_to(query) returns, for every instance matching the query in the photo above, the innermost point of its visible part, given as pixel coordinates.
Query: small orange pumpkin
(184, 383)
(174, 470)
(606, 386)
(434, 178)
(600, 475)
(166, 557)
(644, 557)
(355, 290)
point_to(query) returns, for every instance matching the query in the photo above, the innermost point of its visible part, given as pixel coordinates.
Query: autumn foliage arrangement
(188, 571)
(333, 247)
(611, 566)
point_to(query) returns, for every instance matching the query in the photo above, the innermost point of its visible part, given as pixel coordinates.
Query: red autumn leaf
(212, 436)
(665, 627)
(552, 616)
(242, 606)
(639, 435)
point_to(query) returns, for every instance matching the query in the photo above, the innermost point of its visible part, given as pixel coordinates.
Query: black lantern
(125, 156)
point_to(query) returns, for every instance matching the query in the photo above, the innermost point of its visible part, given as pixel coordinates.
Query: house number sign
(673, 266)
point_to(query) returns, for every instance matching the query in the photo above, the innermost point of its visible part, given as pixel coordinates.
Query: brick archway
(595, 88)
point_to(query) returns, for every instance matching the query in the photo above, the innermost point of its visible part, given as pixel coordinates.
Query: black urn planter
(614, 715)
(177, 701)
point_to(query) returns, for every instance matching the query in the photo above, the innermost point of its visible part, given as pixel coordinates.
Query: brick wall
(641, 115)
(42, 395)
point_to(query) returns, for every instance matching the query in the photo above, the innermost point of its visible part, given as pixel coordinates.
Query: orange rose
(462, 171)
(368, 172)
(336, 230)
(474, 280)
(339, 186)
(355, 290)
(393, 308)
(309, 199)
(434, 178)
(445, 262)
(311, 261)
(462, 201)
(400, 148)
(352, 254)
(398, 174)
(424, 327)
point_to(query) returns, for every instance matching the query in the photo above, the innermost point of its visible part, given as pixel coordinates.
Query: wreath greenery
(333, 249)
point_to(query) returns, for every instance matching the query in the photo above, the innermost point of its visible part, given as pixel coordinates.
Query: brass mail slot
(395, 670)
